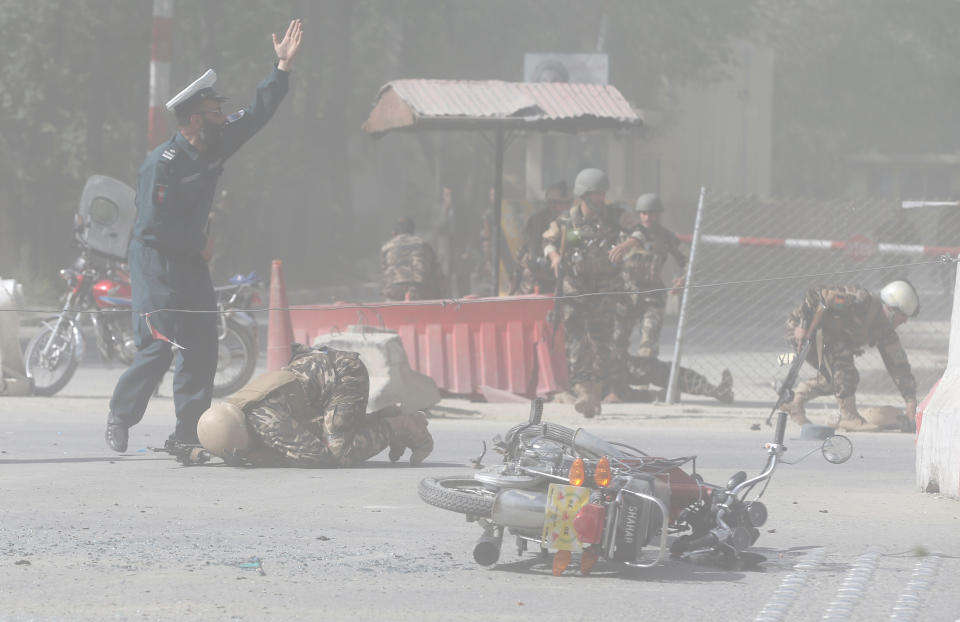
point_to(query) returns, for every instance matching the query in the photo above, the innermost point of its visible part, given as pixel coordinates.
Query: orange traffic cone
(279, 327)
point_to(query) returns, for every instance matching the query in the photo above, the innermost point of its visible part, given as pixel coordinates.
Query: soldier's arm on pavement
(897, 364)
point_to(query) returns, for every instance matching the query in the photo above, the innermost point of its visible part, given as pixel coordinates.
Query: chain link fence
(757, 258)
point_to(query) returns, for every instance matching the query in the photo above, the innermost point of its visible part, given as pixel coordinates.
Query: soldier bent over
(311, 413)
(851, 320)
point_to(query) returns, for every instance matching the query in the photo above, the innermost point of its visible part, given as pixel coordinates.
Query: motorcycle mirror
(837, 449)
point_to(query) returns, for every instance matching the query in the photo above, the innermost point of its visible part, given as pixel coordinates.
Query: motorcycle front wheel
(236, 361)
(51, 371)
(458, 494)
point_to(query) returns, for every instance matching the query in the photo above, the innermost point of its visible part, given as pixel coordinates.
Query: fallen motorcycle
(566, 490)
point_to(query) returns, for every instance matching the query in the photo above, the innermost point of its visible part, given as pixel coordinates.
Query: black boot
(117, 437)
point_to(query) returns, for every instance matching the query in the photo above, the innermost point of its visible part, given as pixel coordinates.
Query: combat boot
(724, 391)
(410, 431)
(583, 399)
(850, 419)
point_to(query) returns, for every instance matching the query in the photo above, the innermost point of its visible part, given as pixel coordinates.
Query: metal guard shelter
(500, 107)
(505, 346)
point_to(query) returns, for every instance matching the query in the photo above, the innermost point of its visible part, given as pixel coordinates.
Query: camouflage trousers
(588, 325)
(338, 432)
(646, 370)
(631, 310)
(836, 375)
(399, 291)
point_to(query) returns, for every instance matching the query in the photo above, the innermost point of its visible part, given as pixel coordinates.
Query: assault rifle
(785, 394)
(187, 454)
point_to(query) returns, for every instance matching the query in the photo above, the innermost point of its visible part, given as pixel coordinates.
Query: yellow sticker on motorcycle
(563, 503)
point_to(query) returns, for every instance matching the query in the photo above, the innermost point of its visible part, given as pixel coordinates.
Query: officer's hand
(617, 252)
(287, 48)
(555, 262)
(208, 249)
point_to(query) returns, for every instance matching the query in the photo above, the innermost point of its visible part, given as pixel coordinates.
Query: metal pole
(160, 47)
(497, 211)
(672, 393)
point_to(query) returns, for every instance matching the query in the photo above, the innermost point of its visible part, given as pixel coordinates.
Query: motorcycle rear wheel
(52, 375)
(457, 493)
(236, 361)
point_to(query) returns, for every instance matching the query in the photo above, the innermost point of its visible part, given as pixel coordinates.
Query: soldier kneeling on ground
(852, 319)
(311, 413)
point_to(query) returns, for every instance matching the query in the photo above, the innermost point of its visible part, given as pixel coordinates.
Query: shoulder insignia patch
(236, 116)
(168, 154)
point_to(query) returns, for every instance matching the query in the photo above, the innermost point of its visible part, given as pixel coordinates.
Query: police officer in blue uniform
(169, 251)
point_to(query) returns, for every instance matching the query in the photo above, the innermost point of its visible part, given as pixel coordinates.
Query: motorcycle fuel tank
(107, 289)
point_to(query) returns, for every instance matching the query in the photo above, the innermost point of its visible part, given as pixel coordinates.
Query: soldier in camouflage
(533, 273)
(645, 370)
(584, 249)
(410, 267)
(312, 413)
(852, 319)
(643, 273)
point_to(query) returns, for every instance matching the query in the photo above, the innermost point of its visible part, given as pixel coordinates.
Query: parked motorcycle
(99, 289)
(565, 490)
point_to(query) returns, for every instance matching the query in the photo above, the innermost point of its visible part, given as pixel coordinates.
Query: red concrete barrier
(502, 343)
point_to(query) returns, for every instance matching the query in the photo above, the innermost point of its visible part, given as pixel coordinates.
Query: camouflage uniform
(853, 319)
(642, 272)
(533, 269)
(322, 422)
(584, 244)
(647, 370)
(410, 267)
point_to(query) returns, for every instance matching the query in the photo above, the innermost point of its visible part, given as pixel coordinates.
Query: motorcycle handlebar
(781, 428)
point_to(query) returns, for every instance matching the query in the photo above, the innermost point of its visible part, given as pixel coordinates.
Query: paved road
(86, 534)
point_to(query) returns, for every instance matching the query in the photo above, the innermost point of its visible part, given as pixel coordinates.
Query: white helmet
(222, 430)
(902, 296)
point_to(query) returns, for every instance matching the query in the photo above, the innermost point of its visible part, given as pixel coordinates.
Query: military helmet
(590, 180)
(902, 296)
(222, 430)
(648, 202)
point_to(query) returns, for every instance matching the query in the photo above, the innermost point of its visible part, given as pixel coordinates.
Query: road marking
(908, 604)
(853, 586)
(784, 596)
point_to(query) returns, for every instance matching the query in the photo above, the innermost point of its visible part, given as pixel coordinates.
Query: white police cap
(200, 89)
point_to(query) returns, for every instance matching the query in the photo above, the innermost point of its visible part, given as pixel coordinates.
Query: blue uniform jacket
(175, 192)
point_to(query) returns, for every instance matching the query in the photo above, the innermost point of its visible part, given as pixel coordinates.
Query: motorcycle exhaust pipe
(487, 550)
(520, 509)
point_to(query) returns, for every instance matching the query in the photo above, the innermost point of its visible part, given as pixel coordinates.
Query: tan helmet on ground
(901, 295)
(222, 430)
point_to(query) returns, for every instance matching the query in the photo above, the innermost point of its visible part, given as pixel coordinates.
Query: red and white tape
(858, 246)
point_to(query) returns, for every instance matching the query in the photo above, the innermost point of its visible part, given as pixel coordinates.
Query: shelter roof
(492, 104)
